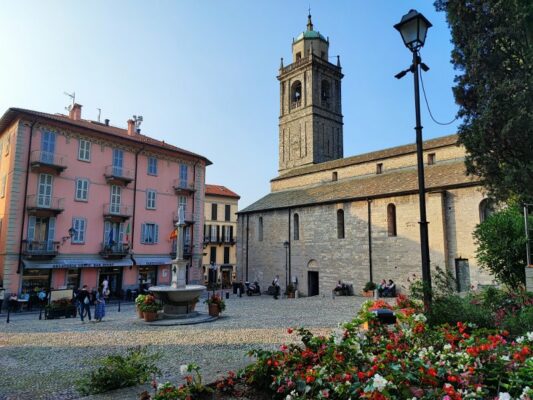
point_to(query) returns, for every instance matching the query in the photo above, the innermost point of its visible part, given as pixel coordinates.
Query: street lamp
(286, 244)
(413, 27)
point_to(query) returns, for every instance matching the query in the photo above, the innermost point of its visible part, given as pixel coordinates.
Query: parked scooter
(252, 288)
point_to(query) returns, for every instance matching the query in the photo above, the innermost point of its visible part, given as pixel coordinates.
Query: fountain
(179, 298)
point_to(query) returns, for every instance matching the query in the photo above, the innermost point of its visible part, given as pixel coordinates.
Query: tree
(494, 89)
(501, 245)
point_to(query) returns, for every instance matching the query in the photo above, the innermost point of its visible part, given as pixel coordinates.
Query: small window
(226, 255)
(214, 210)
(3, 186)
(334, 176)
(340, 224)
(150, 199)
(183, 175)
(431, 158)
(296, 94)
(227, 212)
(296, 227)
(391, 220)
(260, 233)
(379, 168)
(486, 209)
(82, 189)
(152, 166)
(213, 255)
(298, 56)
(84, 150)
(325, 92)
(149, 233)
(79, 225)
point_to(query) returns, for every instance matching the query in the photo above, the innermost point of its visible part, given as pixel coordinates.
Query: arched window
(325, 93)
(391, 219)
(296, 94)
(486, 209)
(340, 224)
(260, 231)
(296, 227)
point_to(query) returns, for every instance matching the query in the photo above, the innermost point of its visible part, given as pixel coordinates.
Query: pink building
(82, 201)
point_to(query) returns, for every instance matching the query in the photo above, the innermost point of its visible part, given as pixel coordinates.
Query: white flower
(420, 318)
(504, 396)
(289, 397)
(379, 382)
(505, 358)
(183, 369)
(447, 347)
(530, 336)
(520, 339)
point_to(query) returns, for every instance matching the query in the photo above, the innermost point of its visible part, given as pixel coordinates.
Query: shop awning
(152, 260)
(85, 262)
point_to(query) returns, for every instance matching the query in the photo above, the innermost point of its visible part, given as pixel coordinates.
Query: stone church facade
(354, 219)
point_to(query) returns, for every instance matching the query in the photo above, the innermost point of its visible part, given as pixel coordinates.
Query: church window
(296, 227)
(325, 93)
(334, 176)
(486, 209)
(298, 56)
(379, 168)
(391, 219)
(296, 94)
(431, 158)
(340, 224)
(260, 232)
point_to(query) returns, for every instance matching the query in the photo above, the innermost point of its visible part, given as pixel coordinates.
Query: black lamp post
(413, 27)
(286, 244)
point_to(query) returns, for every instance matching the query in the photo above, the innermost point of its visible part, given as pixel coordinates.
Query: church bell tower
(310, 123)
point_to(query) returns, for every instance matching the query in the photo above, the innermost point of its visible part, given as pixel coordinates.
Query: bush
(117, 371)
(369, 287)
(454, 308)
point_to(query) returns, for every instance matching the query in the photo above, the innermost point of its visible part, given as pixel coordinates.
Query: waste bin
(235, 286)
(385, 316)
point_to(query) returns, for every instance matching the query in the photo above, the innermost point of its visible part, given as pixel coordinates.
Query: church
(354, 219)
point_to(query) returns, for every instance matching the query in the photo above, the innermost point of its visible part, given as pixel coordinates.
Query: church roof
(310, 33)
(444, 175)
(368, 157)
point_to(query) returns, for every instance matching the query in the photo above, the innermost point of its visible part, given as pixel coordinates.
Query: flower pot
(290, 295)
(368, 293)
(150, 316)
(214, 310)
(139, 312)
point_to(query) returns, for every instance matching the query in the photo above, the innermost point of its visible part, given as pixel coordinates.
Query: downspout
(24, 199)
(289, 240)
(369, 202)
(134, 202)
(247, 234)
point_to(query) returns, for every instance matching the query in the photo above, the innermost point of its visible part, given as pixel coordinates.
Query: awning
(152, 260)
(85, 262)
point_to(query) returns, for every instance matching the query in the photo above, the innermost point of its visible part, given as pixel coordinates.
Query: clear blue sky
(203, 73)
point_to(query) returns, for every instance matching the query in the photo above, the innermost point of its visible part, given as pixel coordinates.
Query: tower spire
(309, 22)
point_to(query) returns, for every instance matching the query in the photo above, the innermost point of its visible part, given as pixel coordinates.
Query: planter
(140, 314)
(290, 295)
(214, 311)
(58, 312)
(368, 293)
(150, 316)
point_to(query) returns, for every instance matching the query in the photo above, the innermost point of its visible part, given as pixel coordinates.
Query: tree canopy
(492, 53)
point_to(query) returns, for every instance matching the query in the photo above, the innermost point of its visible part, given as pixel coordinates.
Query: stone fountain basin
(178, 296)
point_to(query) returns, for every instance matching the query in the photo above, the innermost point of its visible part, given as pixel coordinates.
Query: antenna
(73, 97)
(99, 112)
(138, 120)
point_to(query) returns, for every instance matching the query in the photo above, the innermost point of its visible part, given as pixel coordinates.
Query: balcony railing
(115, 250)
(44, 205)
(188, 218)
(44, 161)
(117, 211)
(40, 249)
(118, 175)
(181, 186)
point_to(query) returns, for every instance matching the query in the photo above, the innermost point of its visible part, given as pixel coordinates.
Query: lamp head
(413, 27)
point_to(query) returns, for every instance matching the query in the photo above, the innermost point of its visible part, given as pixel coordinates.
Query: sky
(202, 73)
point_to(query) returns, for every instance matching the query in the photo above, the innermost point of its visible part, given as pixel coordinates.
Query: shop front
(227, 275)
(152, 270)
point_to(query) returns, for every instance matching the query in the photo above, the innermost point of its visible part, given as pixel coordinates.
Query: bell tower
(310, 122)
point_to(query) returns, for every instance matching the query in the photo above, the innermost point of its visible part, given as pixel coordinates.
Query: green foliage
(494, 89)
(149, 304)
(118, 371)
(501, 246)
(369, 286)
(454, 308)
(140, 299)
(519, 323)
(192, 389)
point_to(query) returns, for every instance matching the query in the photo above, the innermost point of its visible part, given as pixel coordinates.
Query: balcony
(118, 175)
(187, 250)
(117, 212)
(46, 162)
(182, 187)
(219, 240)
(39, 250)
(188, 218)
(44, 206)
(115, 250)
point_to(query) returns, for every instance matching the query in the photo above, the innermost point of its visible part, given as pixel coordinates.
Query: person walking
(99, 310)
(275, 283)
(84, 298)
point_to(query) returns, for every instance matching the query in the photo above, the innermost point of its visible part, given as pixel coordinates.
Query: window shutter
(231, 233)
(107, 229)
(31, 228)
(121, 233)
(51, 232)
(143, 233)
(156, 233)
(218, 233)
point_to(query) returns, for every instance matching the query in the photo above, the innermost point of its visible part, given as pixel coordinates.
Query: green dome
(310, 35)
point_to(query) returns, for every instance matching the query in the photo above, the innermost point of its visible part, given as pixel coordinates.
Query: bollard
(40, 313)
(8, 313)
(118, 305)
(227, 295)
(239, 292)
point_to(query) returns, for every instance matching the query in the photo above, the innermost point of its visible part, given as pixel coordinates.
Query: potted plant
(368, 290)
(60, 308)
(216, 305)
(138, 301)
(290, 291)
(150, 307)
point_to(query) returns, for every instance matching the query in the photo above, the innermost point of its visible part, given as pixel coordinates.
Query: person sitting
(381, 288)
(390, 289)
(341, 289)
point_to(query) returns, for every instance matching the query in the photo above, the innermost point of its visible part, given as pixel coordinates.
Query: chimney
(131, 127)
(106, 122)
(75, 112)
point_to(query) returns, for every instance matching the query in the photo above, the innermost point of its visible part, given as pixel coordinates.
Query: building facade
(83, 201)
(220, 232)
(353, 219)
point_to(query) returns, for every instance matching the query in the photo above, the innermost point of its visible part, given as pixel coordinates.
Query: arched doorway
(312, 278)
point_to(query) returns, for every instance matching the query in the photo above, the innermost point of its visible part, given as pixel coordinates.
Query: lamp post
(286, 244)
(413, 27)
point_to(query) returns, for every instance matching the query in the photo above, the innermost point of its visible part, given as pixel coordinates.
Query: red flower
(290, 330)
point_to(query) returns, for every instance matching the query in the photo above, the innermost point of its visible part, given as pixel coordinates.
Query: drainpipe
(369, 202)
(289, 240)
(24, 199)
(247, 234)
(134, 201)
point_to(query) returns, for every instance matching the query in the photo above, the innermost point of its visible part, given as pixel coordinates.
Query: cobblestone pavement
(41, 359)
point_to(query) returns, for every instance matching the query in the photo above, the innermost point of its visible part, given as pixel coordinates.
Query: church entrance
(312, 283)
